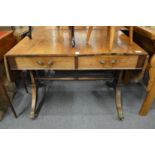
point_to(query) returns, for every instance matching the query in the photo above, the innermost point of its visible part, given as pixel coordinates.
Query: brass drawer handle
(102, 62)
(40, 63)
(113, 61)
(50, 63)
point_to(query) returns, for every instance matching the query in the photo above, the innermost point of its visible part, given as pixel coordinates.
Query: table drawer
(59, 63)
(110, 62)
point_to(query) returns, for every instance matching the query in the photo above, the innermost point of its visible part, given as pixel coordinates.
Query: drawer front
(59, 63)
(110, 62)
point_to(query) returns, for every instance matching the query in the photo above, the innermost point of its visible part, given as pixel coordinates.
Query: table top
(57, 42)
(148, 31)
(4, 34)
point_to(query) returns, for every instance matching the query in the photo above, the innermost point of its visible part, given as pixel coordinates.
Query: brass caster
(121, 118)
(33, 115)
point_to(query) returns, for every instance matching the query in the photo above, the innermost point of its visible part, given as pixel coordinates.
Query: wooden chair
(150, 96)
(111, 35)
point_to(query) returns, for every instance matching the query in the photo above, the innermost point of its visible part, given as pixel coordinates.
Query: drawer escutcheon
(40, 63)
(102, 62)
(50, 63)
(113, 61)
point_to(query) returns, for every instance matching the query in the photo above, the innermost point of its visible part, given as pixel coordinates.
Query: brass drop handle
(113, 61)
(102, 62)
(40, 63)
(50, 63)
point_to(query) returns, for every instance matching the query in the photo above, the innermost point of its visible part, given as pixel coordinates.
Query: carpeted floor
(80, 104)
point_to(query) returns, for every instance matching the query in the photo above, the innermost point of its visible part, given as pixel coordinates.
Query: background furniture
(150, 96)
(7, 41)
(145, 37)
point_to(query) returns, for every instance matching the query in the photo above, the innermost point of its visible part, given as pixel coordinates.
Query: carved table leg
(118, 98)
(118, 101)
(34, 97)
(150, 90)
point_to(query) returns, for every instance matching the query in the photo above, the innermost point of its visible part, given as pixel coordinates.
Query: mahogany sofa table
(51, 50)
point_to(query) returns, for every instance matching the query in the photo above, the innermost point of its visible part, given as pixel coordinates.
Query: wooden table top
(57, 42)
(4, 34)
(148, 31)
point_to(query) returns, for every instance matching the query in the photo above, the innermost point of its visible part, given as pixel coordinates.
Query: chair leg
(131, 34)
(111, 37)
(89, 33)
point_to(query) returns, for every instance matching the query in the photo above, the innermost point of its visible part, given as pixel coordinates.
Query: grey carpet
(81, 104)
